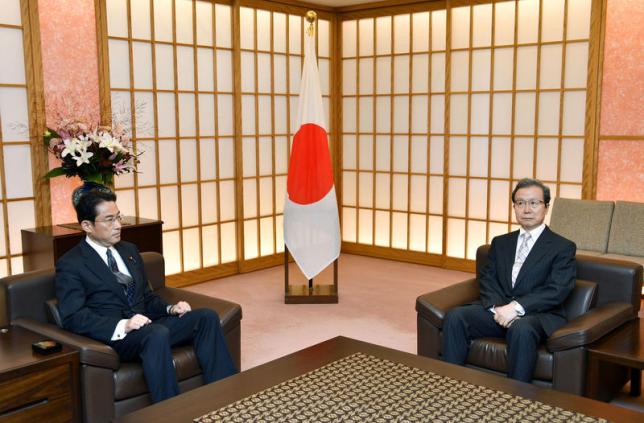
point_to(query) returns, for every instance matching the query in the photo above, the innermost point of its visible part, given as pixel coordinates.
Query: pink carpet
(377, 300)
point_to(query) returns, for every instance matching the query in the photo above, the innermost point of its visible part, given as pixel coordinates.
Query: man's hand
(180, 308)
(136, 322)
(505, 315)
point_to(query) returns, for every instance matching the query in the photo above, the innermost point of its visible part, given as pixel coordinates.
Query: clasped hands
(138, 320)
(505, 315)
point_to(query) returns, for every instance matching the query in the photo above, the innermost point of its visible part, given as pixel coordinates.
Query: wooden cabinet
(36, 387)
(44, 245)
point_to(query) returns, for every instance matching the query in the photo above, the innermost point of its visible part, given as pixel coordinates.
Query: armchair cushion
(627, 229)
(491, 353)
(597, 215)
(582, 298)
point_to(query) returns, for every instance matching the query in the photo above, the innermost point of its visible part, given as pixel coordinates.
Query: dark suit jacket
(90, 300)
(545, 280)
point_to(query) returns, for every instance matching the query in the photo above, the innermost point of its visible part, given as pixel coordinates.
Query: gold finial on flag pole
(310, 17)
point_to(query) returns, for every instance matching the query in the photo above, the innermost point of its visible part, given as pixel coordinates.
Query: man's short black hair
(86, 207)
(529, 182)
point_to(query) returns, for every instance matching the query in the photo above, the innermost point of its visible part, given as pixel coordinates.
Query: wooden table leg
(636, 382)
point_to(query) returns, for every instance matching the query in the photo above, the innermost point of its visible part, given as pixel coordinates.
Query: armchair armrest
(434, 305)
(91, 352)
(590, 326)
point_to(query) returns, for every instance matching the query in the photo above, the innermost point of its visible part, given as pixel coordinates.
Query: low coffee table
(625, 347)
(201, 401)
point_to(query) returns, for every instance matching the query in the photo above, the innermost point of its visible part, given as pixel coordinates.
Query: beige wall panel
(226, 201)
(419, 72)
(168, 161)
(482, 23)
(478, 157)
(399, 230)
(418, 199)
(164, 67)
(420, 33)
(499, 200)
(295, 25)
(456, 238)
(203, 12)
(366, 76)
(12, 71)
(548, 113)
(366, 114)
(228, 242)
(418, 162)
(382, 225)
(500, 158)
(552, 19)
(365, 230)
(524, 113)
(383, 75)
(401, 33)
(14, 114)
(435, 234)
(572, 155)
(522, 165)
(183, 21)
(383, 186)
(365, 181)
(250, 198)
(578, 25)
(574, 113)
(459, 71)
(119, 64)
(417, 232)
(528, 21)
(162, 20)
(461, 20)
(547, 159)
(457, 197)
(458, 156)
(148, 203)
(349, 38)
(209, 235)
(117, 11)
(365, 32)
(479, 117)
(10, 12)
(17, 170)
(383, 35)
(349, 180)
(526, 68)
(191, 249)
(477, 200)
(503, 68)
(400, 199)
(366, 152)
(223, 27)
(250, 239)
(504, 23)
(349, 224)
(172, 252)
(266, 234)
(20, 214)
(481, 65)
(169, 207)
(551, 65)
(475, 238)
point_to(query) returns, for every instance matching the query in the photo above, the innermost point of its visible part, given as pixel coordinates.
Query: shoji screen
(17, 202)
(444, 110)
(271, 59)
(170, 72)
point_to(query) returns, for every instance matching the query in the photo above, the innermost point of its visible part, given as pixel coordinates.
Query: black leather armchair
(606, 295)
(110, 388)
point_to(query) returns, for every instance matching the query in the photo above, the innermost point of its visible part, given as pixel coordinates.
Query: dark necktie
(122, 278)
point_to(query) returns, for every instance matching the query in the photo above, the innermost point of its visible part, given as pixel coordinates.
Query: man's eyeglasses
(532, 203)
(111, 220)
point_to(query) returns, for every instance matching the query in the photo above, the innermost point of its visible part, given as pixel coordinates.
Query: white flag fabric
(311, 222)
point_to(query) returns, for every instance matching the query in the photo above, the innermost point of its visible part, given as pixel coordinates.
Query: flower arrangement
(92, 152)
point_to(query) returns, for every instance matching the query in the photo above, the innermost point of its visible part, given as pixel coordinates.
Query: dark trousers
(463, 324)
(152, 346)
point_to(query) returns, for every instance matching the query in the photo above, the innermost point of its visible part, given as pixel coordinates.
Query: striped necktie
(521, 256)
(122, 278)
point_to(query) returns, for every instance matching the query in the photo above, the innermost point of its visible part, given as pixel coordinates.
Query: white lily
(109, 142)
(83, 157)
(71, 146)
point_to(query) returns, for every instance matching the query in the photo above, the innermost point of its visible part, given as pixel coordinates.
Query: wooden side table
(42, 246)
(36, 387)
(625, 347)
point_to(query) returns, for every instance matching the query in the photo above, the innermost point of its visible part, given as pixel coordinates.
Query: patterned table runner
(363, 388)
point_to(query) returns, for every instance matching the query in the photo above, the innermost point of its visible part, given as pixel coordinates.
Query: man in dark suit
(103, 293)
(529, 274)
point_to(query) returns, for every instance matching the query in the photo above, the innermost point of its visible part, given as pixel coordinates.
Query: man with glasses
(103, 293)
(529, 274)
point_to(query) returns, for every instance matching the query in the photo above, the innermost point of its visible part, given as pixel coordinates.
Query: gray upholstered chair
(626, 241)
(586, 222)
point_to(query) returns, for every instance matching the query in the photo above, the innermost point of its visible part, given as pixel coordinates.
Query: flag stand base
(311, 294)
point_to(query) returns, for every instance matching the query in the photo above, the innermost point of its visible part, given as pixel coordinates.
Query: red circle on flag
(310, 174)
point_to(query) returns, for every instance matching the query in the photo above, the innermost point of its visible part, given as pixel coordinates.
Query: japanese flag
(311, 223)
